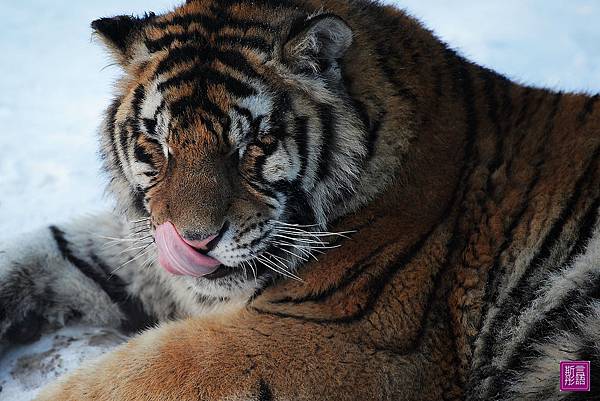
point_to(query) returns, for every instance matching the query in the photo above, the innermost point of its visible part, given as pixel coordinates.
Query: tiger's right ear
(121, 35)
(317, 41)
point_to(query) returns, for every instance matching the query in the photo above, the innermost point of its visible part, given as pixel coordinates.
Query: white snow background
(54, 87)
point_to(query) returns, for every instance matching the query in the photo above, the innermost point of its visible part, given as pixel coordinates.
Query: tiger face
(232, 135)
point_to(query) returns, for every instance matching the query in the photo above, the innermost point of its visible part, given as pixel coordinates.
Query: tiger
(321, 200)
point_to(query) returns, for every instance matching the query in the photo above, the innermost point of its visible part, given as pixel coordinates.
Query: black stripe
(123, 135)
(203, 75)
(212, 24)
(168, 40)
(262, 190)
(179, 55)
(113, 157)
(489, 89)
(586, 230)
(387, 58)
(244, 112)
(548, 129)
(141, 155)
(138, 198)
(301, 139)
(557, 229)
(373, 134)
(199, 40)
(113, 286)
(139, 95)
(374, 291)
(487, 338)
(150, 126)
(327, 120)
(526, 101)
(492, 283)
(264, 391)
(587, 110)
(204, 56)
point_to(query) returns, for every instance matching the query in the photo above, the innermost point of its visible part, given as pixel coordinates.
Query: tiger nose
(205, 244)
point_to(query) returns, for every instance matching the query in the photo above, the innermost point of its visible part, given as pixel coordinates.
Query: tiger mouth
(178, 257)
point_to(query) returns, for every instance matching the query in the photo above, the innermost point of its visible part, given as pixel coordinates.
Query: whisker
(252, 264)
(294, 225)
(304, 240)
(303, 258)
(270, 264)
(305, 250)
(122, 241)
(139, 220)
(132, 249)
(282, 264)
(144, 251)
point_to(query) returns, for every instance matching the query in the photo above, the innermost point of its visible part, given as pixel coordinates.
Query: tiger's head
(233, 135)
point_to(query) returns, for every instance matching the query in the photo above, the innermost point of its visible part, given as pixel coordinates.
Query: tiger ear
(121, 35)
(317, 41)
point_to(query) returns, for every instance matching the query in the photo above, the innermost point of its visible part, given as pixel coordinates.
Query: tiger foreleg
(61, 272)
(251, 358)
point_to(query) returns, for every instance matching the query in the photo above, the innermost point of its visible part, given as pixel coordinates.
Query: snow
(26, 368)
(53, 88)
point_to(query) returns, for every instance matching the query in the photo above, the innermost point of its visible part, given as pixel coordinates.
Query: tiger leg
(64, 271)
(253, 358)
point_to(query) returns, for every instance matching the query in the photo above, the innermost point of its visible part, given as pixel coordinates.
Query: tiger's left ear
(317, 41)
(121, 35)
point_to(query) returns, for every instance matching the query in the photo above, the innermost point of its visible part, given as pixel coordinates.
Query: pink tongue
(177, 257)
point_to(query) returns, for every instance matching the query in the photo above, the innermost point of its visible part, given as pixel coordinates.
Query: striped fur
(473, 266)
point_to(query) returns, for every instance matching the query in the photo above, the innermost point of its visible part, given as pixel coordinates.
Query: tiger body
(472, 269)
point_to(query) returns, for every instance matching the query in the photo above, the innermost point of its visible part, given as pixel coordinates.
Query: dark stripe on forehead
(211, 23)
(202, 77)
(202, 58)
(167, 40)
(198, 38)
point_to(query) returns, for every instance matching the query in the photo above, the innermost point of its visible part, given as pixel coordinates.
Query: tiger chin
(322, 201)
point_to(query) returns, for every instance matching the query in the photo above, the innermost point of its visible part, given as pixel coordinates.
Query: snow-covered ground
(53, 88)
